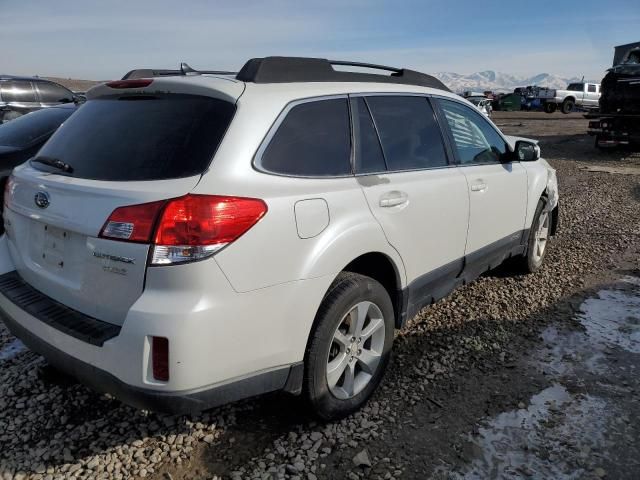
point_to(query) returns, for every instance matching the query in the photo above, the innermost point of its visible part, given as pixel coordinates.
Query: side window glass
(368, 152)
(592, 88)
(19, 92)
(409, 133)
(314, 140)
(476, 141)
(52, 93)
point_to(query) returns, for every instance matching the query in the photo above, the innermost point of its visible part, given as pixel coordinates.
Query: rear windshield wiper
(53, 162)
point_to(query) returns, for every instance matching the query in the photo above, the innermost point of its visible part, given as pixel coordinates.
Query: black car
(21, 138)
(20, 95)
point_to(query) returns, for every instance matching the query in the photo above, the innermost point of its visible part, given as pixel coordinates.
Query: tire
(332, 347)
(533, 258)
(550, 107)
(567, 105)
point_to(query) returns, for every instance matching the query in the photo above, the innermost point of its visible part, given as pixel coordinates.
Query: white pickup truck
(585, 95)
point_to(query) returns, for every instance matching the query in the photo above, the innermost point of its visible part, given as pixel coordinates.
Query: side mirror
(527, 151)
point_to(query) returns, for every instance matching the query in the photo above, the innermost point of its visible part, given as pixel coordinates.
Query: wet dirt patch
(613, 318)
(583, 425)
(539, 439)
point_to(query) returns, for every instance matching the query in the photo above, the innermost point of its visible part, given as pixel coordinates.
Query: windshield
(28, 129)
(476, 100)
(140, 137)
(576, 87)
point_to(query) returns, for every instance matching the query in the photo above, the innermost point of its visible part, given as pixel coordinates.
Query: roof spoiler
(185, 69)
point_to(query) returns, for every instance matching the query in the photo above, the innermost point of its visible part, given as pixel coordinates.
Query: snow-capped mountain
(500, 82)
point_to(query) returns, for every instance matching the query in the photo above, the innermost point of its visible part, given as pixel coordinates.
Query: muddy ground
(510, 377)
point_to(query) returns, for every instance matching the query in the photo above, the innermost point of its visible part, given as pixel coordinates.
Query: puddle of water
(613, 318)
(538, 440)
(11, 349)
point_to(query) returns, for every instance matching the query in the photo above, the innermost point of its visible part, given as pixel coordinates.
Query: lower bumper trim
(166, 402)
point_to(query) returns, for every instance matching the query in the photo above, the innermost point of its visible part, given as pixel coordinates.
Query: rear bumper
(168, 402)
(223, 346)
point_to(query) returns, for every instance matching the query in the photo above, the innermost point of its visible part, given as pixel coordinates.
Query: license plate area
(55, 242)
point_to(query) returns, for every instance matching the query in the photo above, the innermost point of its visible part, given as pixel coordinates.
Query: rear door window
(409, 132)
(313, 140)
(140, 137)
(53, 93)
(14, 91)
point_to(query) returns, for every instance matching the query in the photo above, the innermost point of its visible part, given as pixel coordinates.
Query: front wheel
(567, 106)
(350, 346)
(538, 240)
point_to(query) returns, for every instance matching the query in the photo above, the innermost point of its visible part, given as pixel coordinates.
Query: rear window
(28, 129)
(138, 138)
(314, 140)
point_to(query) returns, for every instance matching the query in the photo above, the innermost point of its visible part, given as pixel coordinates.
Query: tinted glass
(141, 137)
(409, 133)
(592, 88)
(52, 93)
(368, 157)
(313, 140)
(575, 87)
(33, 127)
(17, 91)
(476, 141)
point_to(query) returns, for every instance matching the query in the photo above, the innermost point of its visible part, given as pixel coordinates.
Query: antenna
(185, 69)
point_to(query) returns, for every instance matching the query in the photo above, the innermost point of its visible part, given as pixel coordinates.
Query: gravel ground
(457, 365)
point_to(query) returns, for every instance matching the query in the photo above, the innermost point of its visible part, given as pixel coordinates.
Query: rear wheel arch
(381, 268)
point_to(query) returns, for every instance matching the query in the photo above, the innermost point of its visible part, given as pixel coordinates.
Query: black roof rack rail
(303, 69)
(184, 70)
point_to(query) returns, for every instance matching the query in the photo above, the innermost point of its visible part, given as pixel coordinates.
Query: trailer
(614, 129)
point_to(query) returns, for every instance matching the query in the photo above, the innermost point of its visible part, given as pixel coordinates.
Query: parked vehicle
(618, 122)
(226, 236)
(585, 95)
(20, 95)
(22, 138)
(511, 102)
(483, 104)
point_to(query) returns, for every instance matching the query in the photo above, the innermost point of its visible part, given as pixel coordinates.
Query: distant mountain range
(500, 82)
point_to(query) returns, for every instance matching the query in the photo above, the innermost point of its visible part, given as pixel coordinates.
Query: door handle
(393, 199)
(478, 187)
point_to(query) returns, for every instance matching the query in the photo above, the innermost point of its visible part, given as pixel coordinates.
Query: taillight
(7, 190)
(133, 223)
(186, 228)
(136, 83)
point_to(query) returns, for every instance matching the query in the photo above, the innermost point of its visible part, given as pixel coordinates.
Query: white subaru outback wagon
(193, 238)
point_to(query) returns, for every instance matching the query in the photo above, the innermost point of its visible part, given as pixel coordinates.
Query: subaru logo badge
(42, 199)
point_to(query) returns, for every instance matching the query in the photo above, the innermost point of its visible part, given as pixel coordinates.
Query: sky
(103, 40)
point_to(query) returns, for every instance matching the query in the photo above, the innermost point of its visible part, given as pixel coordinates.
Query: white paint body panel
(433, 217)
(250, 308)
(498, 202)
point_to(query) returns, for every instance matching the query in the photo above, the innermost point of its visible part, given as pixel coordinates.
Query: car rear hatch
(139, 142)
